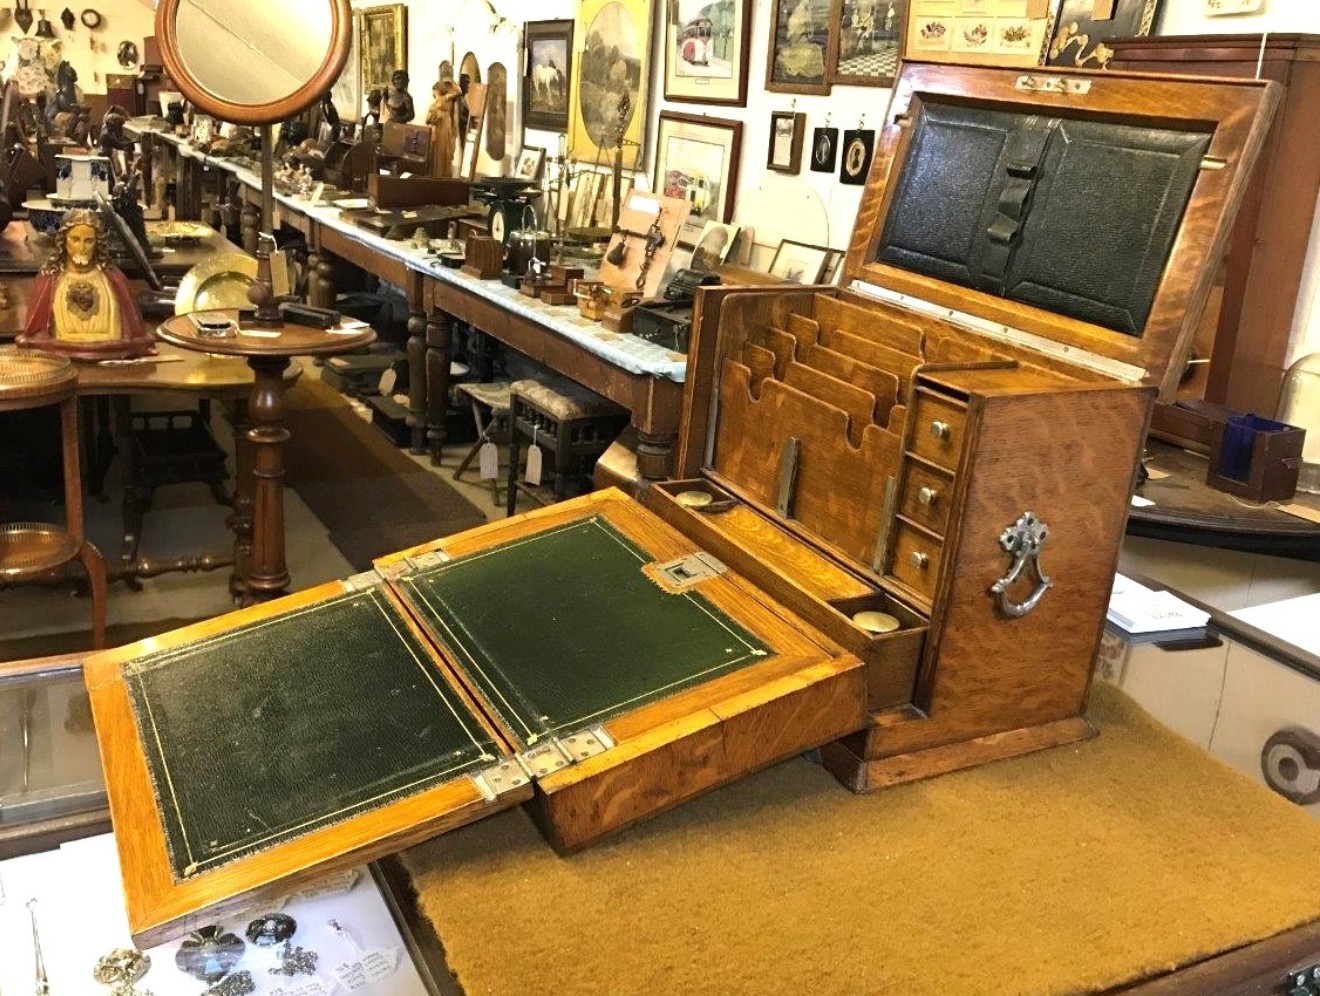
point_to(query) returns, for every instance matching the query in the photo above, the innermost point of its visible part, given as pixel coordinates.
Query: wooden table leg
(269, 576)
(417, 381)
(240, 520)
(439, 340)
(249, 222)
(655, 454)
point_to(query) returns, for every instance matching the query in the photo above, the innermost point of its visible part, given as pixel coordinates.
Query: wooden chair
(31, 550)
(574, 424)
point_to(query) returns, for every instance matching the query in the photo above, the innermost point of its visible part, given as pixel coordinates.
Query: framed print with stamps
(869, 41)
(706, 51)
(611, 67)
(978, 32)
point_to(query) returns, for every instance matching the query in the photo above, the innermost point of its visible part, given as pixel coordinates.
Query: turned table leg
(439, 340)
(240, 519)
(326, 291)
(269, 575)
(249, 222)
(655, 454)
(417, 381)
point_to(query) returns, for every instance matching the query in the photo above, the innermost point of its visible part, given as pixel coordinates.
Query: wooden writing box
(579, 658)
(952, 437)
(898, 446)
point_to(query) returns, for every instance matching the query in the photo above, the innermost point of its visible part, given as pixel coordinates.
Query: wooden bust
(399, 102)
(81, 303)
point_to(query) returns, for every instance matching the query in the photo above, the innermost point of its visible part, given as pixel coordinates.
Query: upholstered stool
(31, 550)
(495, 399)
(574, 424)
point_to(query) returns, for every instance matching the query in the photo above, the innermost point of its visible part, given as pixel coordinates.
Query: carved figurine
(64, 111)
(371, 120)
(398, 102)
(81, 304)
(443, 119)
(331, 125)
(112, 142)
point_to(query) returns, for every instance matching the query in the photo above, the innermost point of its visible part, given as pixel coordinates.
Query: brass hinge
(363, 581)
(553, 755)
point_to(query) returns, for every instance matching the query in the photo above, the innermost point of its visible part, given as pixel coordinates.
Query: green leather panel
(561, 629)
(268, 732)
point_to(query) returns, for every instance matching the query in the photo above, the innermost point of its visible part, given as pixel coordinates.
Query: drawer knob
(927, 496)
(919, 560)
(941, 430)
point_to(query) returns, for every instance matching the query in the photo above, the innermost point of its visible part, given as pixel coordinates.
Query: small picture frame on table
(530, 162)
(786, 131)
(800, 263)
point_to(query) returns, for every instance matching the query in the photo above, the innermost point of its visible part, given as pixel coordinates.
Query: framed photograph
(697, 159)
(1079, 36)
(869, 42)
(799, 263)
(824, 150)
(706, 51)
(547, 74)
(857, 149)
(801, 46)
(713, 247)
(383, 44)
(529, 163)
(786, 131)
(612, 64)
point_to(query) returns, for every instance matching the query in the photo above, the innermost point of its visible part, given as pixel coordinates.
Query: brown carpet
(371, 497)
(1070, 870)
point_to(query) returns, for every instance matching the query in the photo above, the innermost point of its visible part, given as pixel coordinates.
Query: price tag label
(374, 966)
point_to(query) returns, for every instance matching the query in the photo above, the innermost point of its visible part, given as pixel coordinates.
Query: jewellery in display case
(238, 984)
(296, 961)
(121, 969)
(271, 929)
(209, 954)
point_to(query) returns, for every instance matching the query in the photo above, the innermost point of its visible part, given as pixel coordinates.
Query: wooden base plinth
(865, 776)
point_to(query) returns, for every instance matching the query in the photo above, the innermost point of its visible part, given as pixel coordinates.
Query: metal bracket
(1052, 84)
(1023, 540)
(687, 571)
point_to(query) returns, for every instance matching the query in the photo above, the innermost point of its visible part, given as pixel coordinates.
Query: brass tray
(218, 284)
(181, 233)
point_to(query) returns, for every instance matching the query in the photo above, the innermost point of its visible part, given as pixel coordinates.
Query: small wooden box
(1255, 458)
(897, 542)
(485, 257)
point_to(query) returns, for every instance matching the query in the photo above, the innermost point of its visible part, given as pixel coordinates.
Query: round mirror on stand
(255, 62)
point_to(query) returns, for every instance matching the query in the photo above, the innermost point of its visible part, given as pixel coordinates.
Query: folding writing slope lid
(1078, 213)
(586, 655)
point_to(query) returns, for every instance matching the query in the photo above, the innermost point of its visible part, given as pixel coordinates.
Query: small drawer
(927, 495)
(916, 560)
(937, 429)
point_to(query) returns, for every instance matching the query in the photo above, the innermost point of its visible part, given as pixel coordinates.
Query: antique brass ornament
(1023, 541)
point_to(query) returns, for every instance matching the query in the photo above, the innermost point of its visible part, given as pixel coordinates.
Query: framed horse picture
(547, 74)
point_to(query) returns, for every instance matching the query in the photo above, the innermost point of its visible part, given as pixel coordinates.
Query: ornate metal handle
(1023, 540)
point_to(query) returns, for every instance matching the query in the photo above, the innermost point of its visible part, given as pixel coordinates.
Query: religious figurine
(81, 304)
(112, 142)
(443, 119)
(398, 102)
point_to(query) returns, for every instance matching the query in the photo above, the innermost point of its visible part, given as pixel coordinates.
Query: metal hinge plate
(553, 755)
(685, 572)
(363, 581)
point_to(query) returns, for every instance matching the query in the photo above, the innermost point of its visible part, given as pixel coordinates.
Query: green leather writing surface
(561, 629)
(261, 734)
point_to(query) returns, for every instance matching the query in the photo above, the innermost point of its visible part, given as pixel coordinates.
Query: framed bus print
(697, 159)
(706, 51)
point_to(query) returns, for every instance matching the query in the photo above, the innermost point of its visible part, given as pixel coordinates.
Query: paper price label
(374, 966)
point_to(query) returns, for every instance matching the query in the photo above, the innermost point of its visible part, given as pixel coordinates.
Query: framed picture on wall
(1079, 36)
(612, 64)
(706, 51)
(547, 74)
(697, 159)
(383, 44)
(869, 42)
(801, 46)
(786, 131)
(978, 32)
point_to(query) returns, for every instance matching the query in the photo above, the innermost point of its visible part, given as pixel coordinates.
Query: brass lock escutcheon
(1023, 541)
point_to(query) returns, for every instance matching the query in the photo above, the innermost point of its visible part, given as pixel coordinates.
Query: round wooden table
(267, 351)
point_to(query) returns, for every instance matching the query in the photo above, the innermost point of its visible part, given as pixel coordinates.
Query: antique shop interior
(701, 496)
